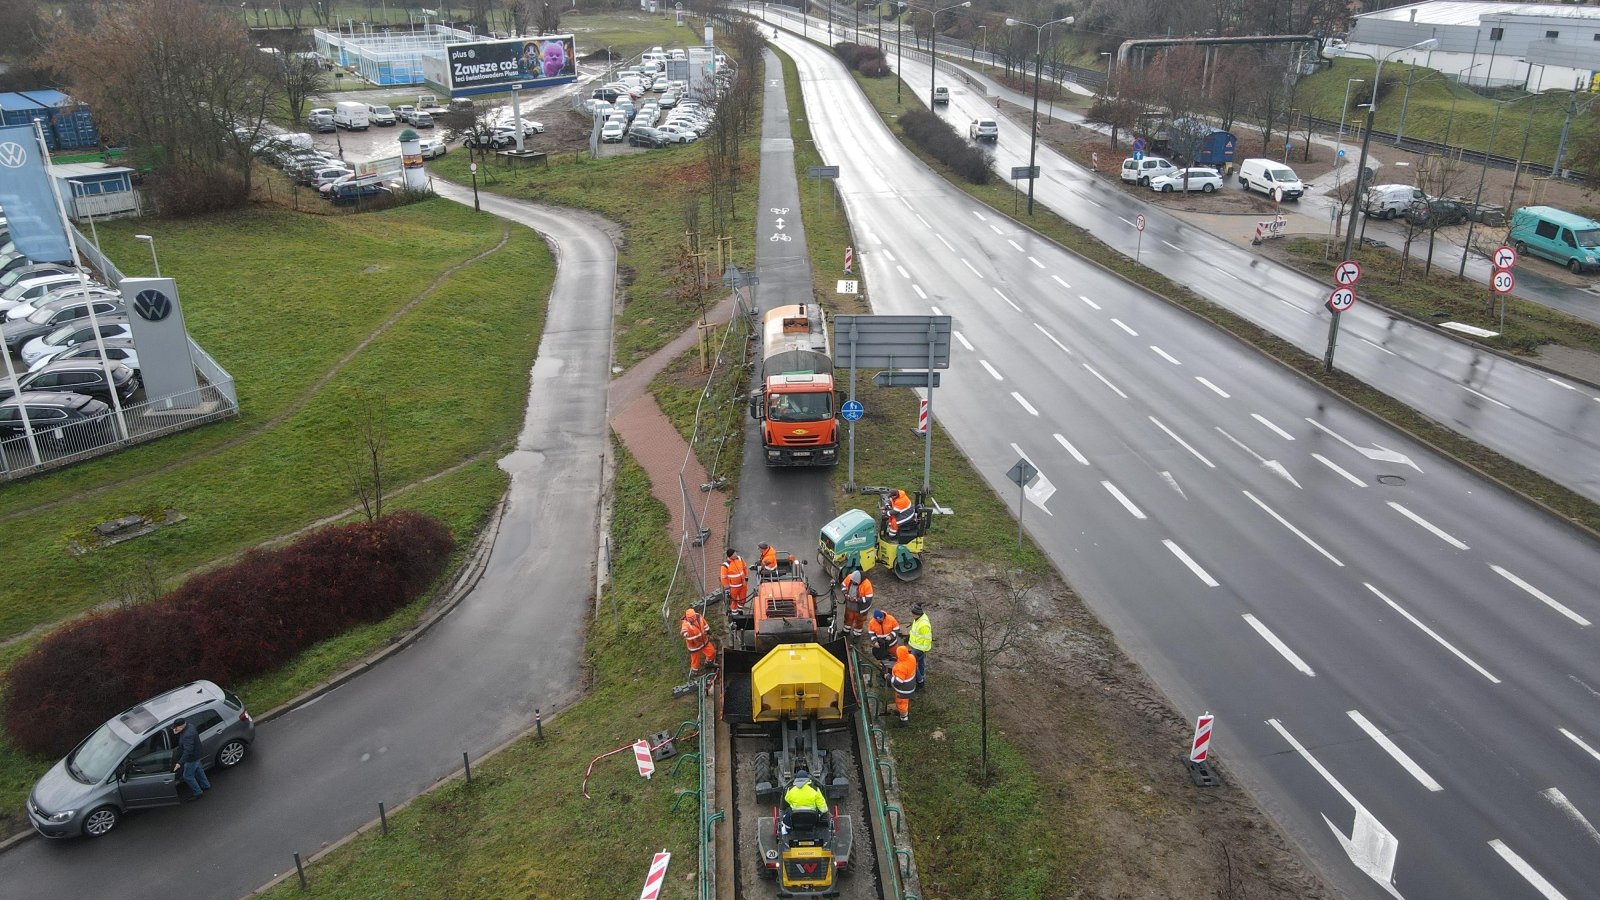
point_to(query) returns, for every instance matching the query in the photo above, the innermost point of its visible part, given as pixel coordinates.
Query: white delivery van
(1266, 176)
(350, 115)
(378, 114)
(1385, 201)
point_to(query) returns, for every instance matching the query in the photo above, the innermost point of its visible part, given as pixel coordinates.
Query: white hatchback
(1192, 179)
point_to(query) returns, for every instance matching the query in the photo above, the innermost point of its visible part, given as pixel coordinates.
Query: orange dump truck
(796, 399)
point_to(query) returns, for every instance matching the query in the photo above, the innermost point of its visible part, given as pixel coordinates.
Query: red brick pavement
(658, 447)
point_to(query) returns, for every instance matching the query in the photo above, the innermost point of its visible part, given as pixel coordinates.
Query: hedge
(225, 625)
(864, 58)
(947, 145)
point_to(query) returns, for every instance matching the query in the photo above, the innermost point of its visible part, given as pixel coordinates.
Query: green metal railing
(890, 840)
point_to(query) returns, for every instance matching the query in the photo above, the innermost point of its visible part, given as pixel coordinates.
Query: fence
(56, 442)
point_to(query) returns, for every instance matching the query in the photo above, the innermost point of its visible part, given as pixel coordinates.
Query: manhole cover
(1392, 480)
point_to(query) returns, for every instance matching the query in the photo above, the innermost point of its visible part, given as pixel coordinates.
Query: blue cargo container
(71, 123)
(16, 109)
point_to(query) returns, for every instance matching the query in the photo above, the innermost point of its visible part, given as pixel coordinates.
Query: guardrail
(891, 841)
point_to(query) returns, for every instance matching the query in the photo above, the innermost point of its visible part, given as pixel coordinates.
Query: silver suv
(127, 762)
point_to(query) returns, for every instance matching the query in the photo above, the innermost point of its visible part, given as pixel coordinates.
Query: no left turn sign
(1341, 299)
(1347, 273)
(1138, 222)
(1505, 258)
(1503, 282)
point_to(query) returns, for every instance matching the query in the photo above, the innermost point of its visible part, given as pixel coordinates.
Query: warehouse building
(1543, 46)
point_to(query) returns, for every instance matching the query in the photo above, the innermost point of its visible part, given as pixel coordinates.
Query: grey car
(127, 762)
(51, 316)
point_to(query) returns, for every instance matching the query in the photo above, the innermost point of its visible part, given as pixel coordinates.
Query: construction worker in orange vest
(697, 638)
(899, 514)
(857, 588)
(767, 565)
(903, 678)
(881, 629)
(735, 580)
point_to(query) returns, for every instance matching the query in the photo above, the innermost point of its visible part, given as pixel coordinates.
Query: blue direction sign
(852, 410)
(1138, 154)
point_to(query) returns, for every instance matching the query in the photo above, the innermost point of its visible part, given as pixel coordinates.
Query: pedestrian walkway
(657, 446)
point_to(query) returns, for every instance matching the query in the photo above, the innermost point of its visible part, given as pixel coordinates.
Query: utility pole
(1466, 249)
(1400, 129)
(1561, 146)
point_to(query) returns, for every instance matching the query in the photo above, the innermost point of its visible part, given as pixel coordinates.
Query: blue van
(1558, 236)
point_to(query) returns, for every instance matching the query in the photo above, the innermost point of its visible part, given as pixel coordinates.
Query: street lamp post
(1033, 133)
(1339, 142)
(1494, 127)
(152, 242)
(983, 36)
(1361, 166)
(933, 45)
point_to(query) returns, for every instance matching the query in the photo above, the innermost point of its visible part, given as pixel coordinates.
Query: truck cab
(796, 401)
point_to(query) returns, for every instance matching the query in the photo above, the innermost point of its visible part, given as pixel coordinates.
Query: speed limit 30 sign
(1341, 299)
(1503, 281)
(1504, 258)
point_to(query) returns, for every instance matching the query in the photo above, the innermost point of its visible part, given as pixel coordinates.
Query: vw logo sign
(152, 306)
(13, 155)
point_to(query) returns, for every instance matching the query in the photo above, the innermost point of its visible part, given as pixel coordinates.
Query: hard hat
(916, 609)
(689, 613)
(802, 777)
(878, 614)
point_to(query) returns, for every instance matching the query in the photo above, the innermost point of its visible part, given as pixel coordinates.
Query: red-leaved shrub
(225, 625)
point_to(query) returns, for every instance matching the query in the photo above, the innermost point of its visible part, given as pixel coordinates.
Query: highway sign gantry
(1341, 299)
(1504, 257)
(1503, 281)
(1347, 273)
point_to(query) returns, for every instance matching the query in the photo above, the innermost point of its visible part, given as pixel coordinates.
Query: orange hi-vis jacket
(734, 575)
(903, 678)
(769, 559)
(883, 629)
(694, 631)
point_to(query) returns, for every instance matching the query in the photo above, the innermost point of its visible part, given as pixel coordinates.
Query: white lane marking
(1165, 355)
(1175, 247)
(1279, 431)
(1025, 404)
(1126, 222)
(1540, 595)
(890, 256)
(1297, 532)
(907, 203)
(1071, 449)
(875, 238)
(1370, 846)
(1057, 280)
(1127, 504)
(1173, 483)
(1433, 634)
(1036, 262)
(1335, 466)
(1223, 271)
(1389, 747)
(1560, 801)
(1378, 346)
(1104, 381)
(1124, 326)
(1087, 200)
(1092, 304)
(969, 265)
(1538, 881)
(945, 243)
(1040, 490)
(1486, 397)
(1579, 741)
(1183, 443)
(995, 228)
(923, 221)
(980, 216)
(962, 338)
(1052, 339)
(936, 310)
(1376, 452)
(1272, 465)
(1296, 307)
(1437, 532)
(903, 273)
(1560, 384)
(1008, 300)
(1194, 567)
(1015, 246)
(919, 292)
(1278, 645)
(1220, 392)
(985, 363)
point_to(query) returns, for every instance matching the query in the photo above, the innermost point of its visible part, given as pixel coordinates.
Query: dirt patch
(1106, 747)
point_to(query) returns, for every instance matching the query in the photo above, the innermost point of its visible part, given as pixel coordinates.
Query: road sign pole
(927, 436)
(850, 477)
(1022, 506)
(1333, 339)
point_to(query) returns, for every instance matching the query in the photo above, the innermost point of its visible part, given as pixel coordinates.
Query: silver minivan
(127, 763)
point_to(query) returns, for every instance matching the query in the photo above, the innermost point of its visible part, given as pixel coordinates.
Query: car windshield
(96, 757)
(59, 336)
(809, 407)
(1282, 174)
(1589, 238)
(41, 316)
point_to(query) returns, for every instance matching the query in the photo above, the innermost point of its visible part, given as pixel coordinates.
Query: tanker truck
(796, 400)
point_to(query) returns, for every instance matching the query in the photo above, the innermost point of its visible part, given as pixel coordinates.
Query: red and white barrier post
(642, 757)
(1200, 747)
(849, 260)
(922, 417)
(656, 877)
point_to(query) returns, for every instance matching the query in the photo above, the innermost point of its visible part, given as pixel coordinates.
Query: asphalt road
(514, 644)
(1400, 655)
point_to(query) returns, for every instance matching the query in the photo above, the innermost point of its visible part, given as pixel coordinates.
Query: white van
(1385, 201)
(350, 115)
(378, 114)
(1140, 171)
(1266, 176)
(941, 94)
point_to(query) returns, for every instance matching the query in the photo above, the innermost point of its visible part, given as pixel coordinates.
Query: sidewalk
(658, 447)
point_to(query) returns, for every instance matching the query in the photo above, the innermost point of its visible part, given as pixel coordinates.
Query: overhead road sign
(886, 342)
(904, 379)
(822, 172)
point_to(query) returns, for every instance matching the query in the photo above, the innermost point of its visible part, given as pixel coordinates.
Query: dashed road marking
(1183, 443)
(1335, 466)
(1391, 748)
(1194, 567)
(1486, 397)
(1036, 262)
(970, 266)
(1124, 326)
(1539, 595)
(1067, 445)
(1057, 280)
(1008, 300)
(1297, 532)
(1433, 529)
(962, 338)
(1025, 404)
(919, 292)
(1278, 645)
(1165, 355)
(1103, 380)
(1275, 429)
(1052, 339)
(1528, 873)
(1220, 392)
(991, 369)
(1122, 498)
(1092, 304)
(1433, 634)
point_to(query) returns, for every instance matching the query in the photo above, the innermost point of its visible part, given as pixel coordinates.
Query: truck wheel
(763, 769)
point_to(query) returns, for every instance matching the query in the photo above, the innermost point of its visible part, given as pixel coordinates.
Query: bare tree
(1438, 177)
(989, 629)
(547, 18)
(366, 469)
(300, 77)
(138, 582)
(294, 12)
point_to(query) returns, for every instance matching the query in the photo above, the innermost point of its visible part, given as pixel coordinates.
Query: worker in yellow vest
(921, 640)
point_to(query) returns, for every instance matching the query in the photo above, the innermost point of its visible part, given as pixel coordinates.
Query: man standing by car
(194, 771)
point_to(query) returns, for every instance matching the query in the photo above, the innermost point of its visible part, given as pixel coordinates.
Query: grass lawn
(656, 196)
(522, 829)
(247, 482)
